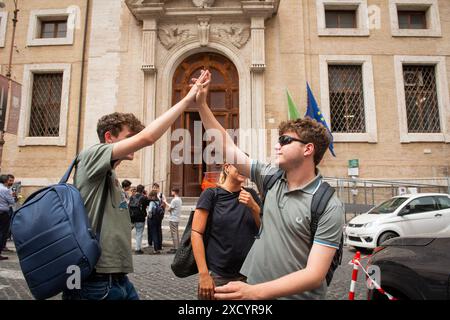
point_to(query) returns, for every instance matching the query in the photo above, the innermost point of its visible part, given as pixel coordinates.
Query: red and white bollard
(351, 294)
(376, 285)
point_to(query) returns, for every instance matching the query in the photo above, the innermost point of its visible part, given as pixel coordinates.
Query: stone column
(257, 77)
(149, 38)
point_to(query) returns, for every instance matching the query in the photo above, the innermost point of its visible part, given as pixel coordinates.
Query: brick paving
(154, 279)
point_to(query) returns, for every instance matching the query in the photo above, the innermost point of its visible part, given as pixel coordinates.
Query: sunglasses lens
(284, 140)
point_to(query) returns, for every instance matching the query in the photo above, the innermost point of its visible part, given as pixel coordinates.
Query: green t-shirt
(115, 239)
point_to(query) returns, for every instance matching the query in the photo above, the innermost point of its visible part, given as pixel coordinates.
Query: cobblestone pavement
(154, 279)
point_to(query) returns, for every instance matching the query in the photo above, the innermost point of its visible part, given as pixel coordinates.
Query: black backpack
(319, 203)
(135, 206)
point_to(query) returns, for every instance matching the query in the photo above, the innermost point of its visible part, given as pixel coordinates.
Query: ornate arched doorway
(223, 100)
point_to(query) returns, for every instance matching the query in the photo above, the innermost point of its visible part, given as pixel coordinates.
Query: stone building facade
(378, 69)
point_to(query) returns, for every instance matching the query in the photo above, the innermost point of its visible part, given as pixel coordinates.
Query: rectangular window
(53, 29)
(415, 18)
(346, 98)
(46, 105)
(340, 18)
(3, 23)
(422, 108)
(412, 20)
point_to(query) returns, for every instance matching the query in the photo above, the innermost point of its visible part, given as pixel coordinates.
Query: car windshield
(388, 206)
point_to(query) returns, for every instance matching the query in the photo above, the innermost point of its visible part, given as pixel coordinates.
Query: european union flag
(314, 112)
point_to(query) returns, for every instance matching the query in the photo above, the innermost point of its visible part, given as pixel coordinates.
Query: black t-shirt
(232, 232)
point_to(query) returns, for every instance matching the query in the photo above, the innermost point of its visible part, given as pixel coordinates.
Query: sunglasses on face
(284, 140)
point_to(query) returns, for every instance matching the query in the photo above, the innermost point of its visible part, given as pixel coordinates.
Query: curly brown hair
(114, 123)
(311, 131)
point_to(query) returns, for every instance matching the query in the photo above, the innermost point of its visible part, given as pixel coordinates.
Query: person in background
(174, 218)
(6, 202)
(137, 206)
(154, 219)
(162, 200)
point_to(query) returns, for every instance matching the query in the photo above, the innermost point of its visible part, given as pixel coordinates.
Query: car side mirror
(404, 212)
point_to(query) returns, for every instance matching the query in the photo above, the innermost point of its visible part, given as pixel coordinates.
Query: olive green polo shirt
(115, 237)
(285, 241)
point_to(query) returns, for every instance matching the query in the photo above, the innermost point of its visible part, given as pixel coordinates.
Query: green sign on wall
(354, 163)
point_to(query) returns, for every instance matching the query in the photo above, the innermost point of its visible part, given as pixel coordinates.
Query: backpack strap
(210, 215)
(268, 182)
(69, 171)
(103, 205)
(318, 205)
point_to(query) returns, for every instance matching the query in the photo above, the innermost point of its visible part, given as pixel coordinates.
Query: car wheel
(386, 236)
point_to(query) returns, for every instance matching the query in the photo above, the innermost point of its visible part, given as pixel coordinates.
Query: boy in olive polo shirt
(120, 136)
(283, 263)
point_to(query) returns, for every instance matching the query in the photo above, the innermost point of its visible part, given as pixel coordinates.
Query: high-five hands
(198, 85)
(203, 89)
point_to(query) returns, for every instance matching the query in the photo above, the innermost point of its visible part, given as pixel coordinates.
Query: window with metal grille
(340, 18)
(53, 29)
(412, 20)
(422, 108)
(46, 105)
(346, 99)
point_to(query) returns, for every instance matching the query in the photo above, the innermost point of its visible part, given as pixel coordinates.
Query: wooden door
(223, 100)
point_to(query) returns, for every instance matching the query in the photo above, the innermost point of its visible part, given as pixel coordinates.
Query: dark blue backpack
(157, 211)
(52, 232)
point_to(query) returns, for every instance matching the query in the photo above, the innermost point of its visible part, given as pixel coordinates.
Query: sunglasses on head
(284, 140)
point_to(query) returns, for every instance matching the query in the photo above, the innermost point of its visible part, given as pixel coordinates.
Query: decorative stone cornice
(142, 9)
(145, 9)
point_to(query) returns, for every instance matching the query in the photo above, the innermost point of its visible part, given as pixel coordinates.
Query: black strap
(269, 182)
(103, 205)
(210, 217)
(69, 171)
(319, 204)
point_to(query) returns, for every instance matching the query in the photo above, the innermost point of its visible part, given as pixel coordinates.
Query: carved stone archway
(172, 31)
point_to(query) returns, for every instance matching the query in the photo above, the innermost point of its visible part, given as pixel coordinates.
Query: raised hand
(197, 85)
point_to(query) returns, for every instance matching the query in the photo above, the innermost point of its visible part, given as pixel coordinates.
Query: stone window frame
(362, 22)
(365, 62)
(3, 24)
(34, 27)
(27, 92)
(432, 17)
(442, 93)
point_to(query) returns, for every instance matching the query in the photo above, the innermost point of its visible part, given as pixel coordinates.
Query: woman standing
(234, 223)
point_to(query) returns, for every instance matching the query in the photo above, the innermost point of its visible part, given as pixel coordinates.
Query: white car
(424, 214)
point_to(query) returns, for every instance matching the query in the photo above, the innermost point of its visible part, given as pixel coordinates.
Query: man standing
(120, 135)
(285, 262)
(174, 218)
(6, 202)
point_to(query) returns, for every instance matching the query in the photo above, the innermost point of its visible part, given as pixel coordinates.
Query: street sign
(354, 163)
(353, 167)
